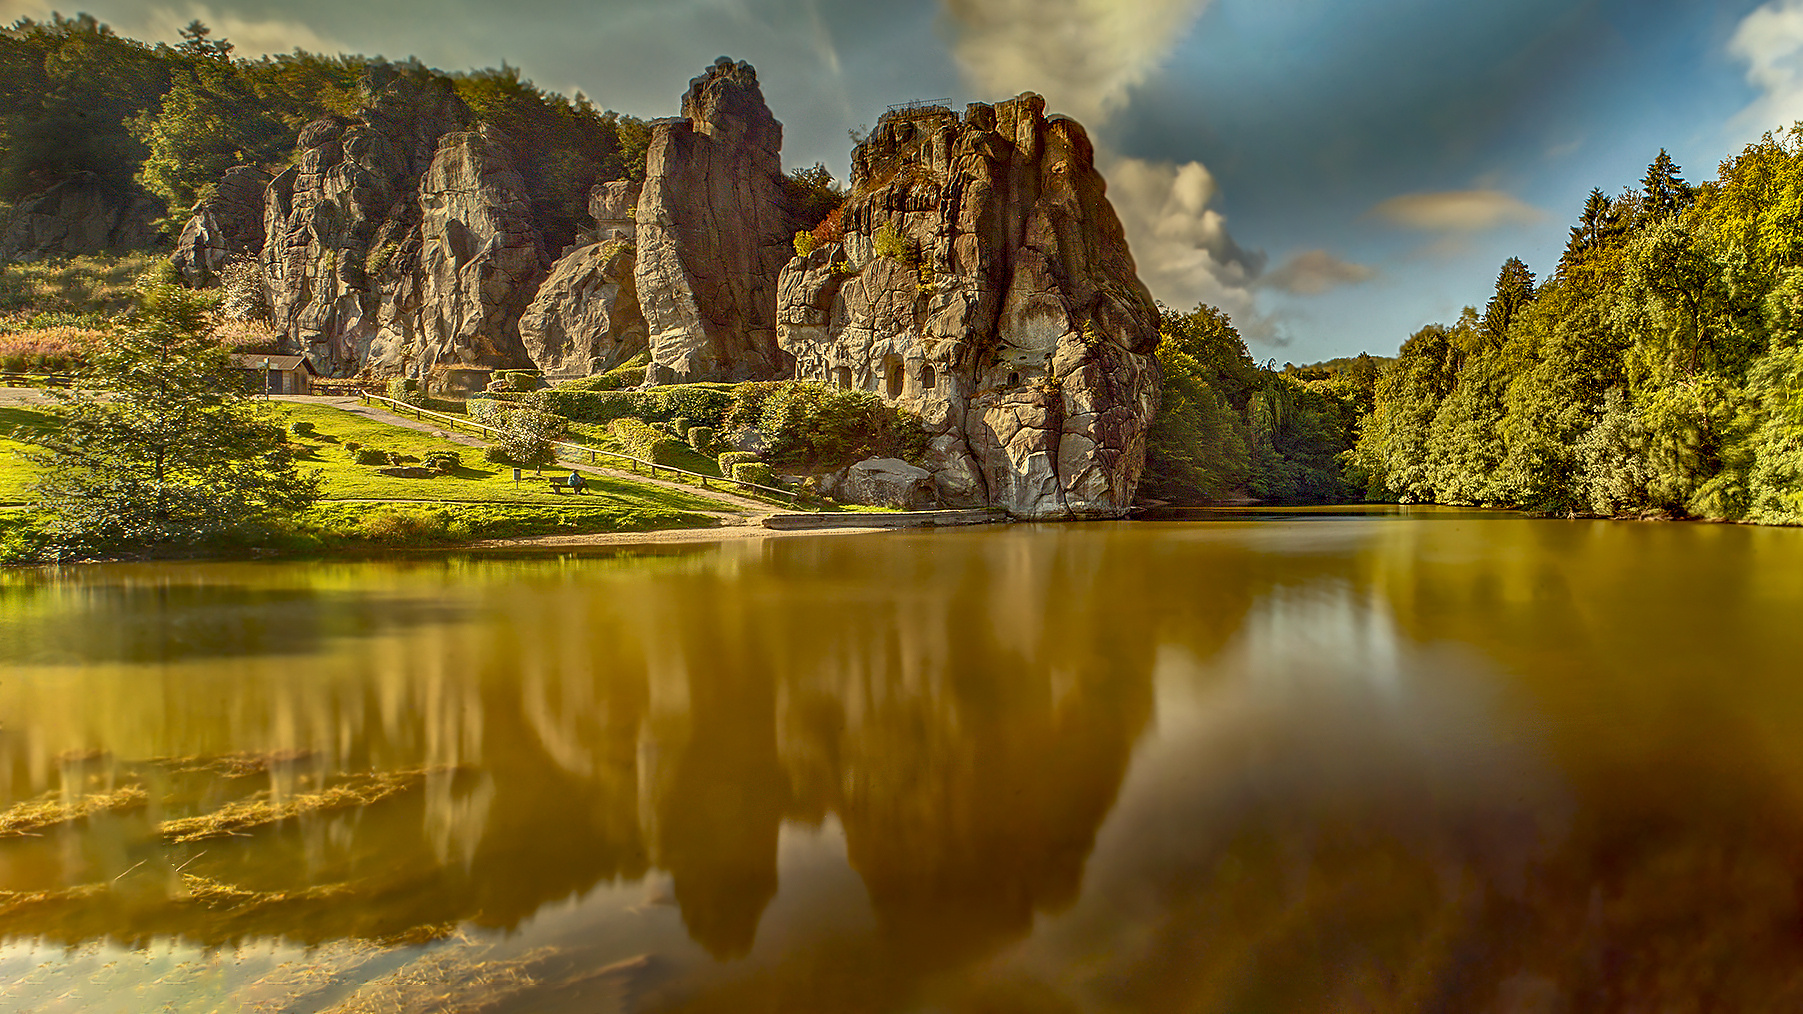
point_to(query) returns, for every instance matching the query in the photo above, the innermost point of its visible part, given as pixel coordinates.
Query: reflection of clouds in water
(1320, 790)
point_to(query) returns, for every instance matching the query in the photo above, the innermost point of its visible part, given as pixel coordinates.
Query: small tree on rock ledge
(162, 444)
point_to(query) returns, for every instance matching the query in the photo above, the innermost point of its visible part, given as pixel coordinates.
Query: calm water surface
(1428, 761)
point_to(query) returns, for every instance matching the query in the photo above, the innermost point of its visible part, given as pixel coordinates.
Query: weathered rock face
(227, 224)
(341, 226)
(884, 482)
(714, 230)
(1007, 311)
(401, 242)
(481, 256)
(614, 206)
(79, 216)
(585, 319)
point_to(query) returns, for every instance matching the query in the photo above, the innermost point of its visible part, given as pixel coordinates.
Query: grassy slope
(476, 482)
(16, 474)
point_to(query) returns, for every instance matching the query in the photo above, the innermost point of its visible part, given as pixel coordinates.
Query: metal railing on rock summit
(594, 454)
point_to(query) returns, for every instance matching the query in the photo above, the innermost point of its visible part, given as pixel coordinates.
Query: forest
(79, 101)
(1655, 373)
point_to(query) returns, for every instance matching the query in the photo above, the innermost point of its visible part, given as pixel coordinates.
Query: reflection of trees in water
(967, 714)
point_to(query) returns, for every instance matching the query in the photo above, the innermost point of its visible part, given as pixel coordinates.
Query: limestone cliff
(714, 229)
(984, 281)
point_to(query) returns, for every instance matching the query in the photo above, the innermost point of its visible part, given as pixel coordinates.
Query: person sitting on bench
(576, 481)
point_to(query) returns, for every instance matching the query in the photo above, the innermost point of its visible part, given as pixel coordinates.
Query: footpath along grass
(476, 481)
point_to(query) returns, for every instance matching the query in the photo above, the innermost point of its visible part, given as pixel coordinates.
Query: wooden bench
(563, 486)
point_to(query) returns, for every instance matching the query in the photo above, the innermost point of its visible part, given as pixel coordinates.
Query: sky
(1333, 174)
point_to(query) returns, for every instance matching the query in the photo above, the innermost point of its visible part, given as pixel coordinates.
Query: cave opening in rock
(892, 376)
(842, 378)
(1013, 380)
(929, 381)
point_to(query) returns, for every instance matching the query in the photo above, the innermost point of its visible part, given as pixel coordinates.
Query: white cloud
(1457, 211)
(1313, 272)
(163, 23)
(1084, 56)
(1770, 40)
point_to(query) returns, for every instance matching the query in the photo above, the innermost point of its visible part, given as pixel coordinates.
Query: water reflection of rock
(671, 715)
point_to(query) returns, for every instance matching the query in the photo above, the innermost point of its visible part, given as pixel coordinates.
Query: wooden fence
(595, 455)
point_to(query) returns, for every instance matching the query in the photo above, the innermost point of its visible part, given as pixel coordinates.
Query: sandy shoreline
(725, 533)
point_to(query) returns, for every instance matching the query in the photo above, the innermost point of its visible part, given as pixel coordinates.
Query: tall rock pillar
(714, 228)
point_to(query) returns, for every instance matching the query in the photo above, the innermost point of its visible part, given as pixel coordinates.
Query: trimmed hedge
(643, 441)
(702, 404)
(753, 472)
(701, 438)
(731, 458)
(816, 424)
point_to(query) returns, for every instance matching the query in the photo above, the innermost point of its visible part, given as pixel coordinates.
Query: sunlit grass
(476, 481)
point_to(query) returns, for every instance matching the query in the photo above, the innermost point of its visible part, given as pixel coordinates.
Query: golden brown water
(1428, 761)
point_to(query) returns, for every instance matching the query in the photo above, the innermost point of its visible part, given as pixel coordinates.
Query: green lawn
(476, 482)
(16, 474)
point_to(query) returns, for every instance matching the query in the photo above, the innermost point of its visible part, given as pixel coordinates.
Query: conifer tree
(1514, 290)
(163, 444)
(1665, 191)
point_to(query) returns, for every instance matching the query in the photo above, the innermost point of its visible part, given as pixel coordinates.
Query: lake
(1335, 760)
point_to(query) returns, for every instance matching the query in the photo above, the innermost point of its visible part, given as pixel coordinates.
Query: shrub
(641, 440)
(397, 458)
(351, 447)
(406, 391)
(813, 423)
(487, 411)
(706, 404)
(731, 458)
(496, 455)
(303, 428)
(888, 242)
(680, 426)
(831, 229)
(405, 527)
(445, 462)
(701, 438)
(804, 243)
(370, 456)
(519, 381)
(755, 472)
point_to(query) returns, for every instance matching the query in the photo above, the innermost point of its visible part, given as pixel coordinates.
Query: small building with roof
(276, 374)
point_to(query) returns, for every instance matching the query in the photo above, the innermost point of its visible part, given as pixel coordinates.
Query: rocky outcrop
(586, 317)
(984, 282)
(714, 230)
(401, 242)
(228, 223)
(481, 256)
(342, 227)
(79, 216)
(884, 482)
(614, 207)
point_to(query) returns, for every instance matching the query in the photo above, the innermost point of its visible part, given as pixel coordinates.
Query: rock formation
(984, 282)
(79, 216)
(586, 318)
(401, 241)
(226, 224)
(714, 230)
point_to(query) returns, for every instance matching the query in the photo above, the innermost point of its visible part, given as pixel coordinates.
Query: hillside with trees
(1656, 372)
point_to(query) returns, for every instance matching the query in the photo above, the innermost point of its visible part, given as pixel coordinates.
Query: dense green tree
(1665, 191)
(1514, 290)
(163, 444)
